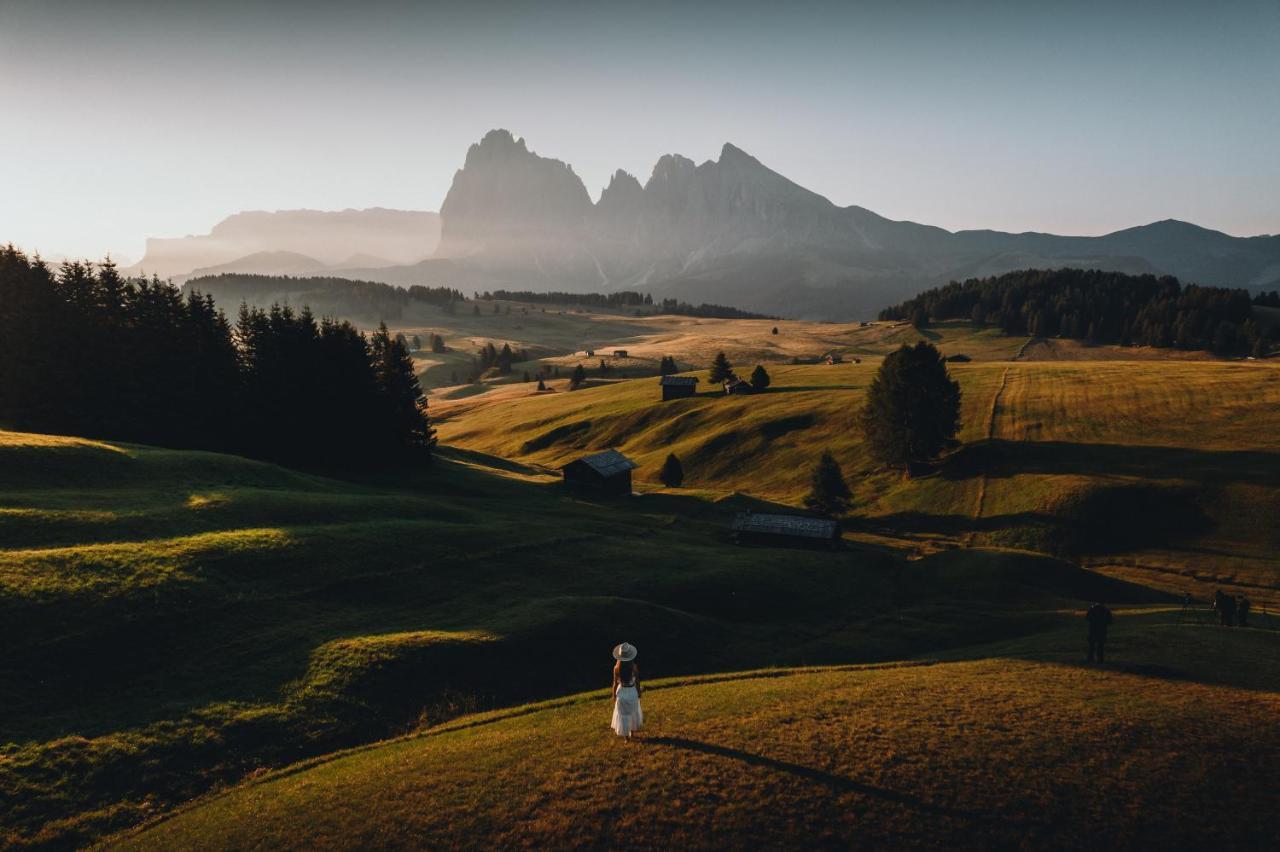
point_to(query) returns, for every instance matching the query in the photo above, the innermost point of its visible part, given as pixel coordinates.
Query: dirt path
(990, 433)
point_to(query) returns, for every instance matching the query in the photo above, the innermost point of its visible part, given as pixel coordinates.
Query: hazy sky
(121, 119)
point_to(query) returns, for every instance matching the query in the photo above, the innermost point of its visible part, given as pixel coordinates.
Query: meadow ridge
(1023, 747)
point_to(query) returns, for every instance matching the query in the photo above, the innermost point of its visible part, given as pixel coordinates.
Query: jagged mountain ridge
(734, 230)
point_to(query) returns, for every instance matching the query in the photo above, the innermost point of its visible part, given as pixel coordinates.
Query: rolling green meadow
(201, 645)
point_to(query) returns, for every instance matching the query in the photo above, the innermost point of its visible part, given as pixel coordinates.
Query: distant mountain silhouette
(734, 231)
(256, 241)
(728, 231)
(265, 263)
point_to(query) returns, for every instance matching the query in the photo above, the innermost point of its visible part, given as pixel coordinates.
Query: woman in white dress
(627, 715)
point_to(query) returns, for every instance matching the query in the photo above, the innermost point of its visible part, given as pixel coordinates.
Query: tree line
(328, 295)
(86, 351)
(1100, 307)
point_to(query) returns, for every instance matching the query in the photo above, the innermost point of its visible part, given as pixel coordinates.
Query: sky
(126, 119)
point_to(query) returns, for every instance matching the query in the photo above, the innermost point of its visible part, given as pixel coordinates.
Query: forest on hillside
(327, 296)
(642, 303)
(86, 351)
(1100, 307)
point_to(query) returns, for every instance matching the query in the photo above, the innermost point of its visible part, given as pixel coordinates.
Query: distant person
(1242, 611)
(1099, 618)
(1226, 607)
(627, 715)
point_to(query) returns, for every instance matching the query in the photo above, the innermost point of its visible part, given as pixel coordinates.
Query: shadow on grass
(1000, 458)
(836, 782)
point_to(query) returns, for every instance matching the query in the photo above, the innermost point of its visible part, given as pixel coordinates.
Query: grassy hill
(1186, 451)
(177, 620)
(1174, 744)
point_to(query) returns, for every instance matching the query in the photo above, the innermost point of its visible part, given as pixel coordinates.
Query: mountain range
(733, 231)
(295, 242)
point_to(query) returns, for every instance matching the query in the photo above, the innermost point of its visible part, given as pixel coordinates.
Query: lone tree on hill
(759, 377)
(672, 474)
(775, 330)
(913, 407)
(721, 369)
(667, 366)
(542, 385)
(829, 494)
(578, 378)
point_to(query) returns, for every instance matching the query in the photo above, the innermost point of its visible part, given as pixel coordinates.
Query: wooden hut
(620, 353)
(608, 473)
(678, 387)
(784, 530)
(735, 385)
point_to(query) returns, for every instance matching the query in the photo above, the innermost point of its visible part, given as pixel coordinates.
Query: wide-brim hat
(625, 652)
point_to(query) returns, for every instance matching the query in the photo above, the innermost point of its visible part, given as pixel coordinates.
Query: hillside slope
(176, 620)
(1025, 748)
(1048, 448)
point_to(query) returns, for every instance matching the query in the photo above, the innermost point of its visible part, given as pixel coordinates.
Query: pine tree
(775, 330)
(405, 410)
(721, 369)
(913, 407)
(541, 385)
(417, 343)
(579, 377)
(667, 366)
(672, 474)
(759, 378)
(829, 494)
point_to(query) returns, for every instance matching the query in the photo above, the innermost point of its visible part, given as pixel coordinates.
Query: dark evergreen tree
(672, 473)
(828, 493)
(913, 407)
(417, 343)
(775, 330)
(403, 406)
(721, 369)
(579, 377)
(759, 378)
(667, 366)
(541, 385)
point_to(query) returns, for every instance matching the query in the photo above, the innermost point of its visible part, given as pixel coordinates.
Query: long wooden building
(784, 530)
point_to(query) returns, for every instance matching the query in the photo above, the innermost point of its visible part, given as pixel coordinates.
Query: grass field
(176, 620)
(1169, 746)
(1046, 445)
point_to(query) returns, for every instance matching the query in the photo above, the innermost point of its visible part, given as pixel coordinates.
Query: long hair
(624, 671)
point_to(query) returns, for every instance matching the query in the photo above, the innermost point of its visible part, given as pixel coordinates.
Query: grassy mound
(1026, 748)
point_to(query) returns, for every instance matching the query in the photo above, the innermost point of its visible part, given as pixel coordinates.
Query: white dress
(627, 715)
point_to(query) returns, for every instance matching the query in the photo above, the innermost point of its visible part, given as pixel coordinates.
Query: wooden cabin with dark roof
(785, 530)
(678, 387)
(605, 473)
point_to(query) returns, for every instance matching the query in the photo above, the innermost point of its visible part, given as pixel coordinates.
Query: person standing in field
(1225, 604)
(1242, 611)
(627, 715)
(1099, 618)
